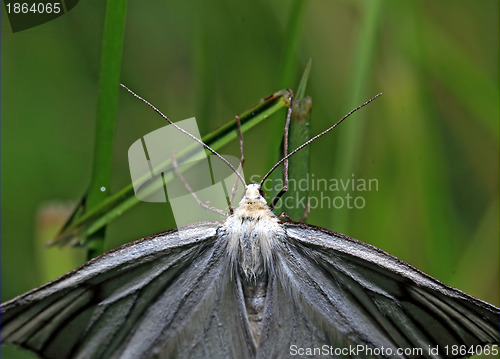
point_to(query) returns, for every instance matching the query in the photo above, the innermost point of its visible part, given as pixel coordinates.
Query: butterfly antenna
(316, 137)
(185, 132)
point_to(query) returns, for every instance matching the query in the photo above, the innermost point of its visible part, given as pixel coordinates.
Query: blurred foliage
(431, 141)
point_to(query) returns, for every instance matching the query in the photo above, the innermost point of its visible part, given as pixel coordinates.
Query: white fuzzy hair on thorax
(253, 232)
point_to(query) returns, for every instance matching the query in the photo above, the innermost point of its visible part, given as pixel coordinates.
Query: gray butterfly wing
(163, 296)
(343, 291)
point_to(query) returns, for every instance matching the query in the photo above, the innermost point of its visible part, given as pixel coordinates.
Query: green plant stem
(109, 79)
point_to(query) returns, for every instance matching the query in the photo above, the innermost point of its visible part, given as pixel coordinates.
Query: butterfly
(251, 286)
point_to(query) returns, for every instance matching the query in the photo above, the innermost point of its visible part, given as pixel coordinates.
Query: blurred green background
(431, 141)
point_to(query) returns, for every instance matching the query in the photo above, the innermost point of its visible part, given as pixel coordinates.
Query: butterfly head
(253, 204)
(253, 192)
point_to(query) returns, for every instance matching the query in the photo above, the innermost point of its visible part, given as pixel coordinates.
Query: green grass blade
(294, 201)
(298, 165)
(301, 90)
(109, 78)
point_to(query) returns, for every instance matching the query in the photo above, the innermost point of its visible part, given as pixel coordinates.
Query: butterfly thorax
(253, 232)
